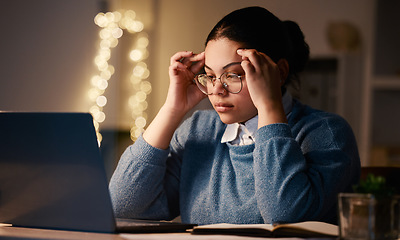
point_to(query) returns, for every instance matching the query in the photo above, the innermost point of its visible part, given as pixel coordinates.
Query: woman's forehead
(221, 54)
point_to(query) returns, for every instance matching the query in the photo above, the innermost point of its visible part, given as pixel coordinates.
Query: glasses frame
(223, 84)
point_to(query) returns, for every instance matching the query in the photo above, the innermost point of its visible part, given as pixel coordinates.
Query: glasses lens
(204, 83)
(231, 82)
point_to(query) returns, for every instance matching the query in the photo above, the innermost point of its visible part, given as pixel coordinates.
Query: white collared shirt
(243, 134)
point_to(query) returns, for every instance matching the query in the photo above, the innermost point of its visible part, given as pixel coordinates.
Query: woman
(259, 157)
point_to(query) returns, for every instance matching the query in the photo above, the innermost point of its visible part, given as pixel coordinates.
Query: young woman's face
(221, 57)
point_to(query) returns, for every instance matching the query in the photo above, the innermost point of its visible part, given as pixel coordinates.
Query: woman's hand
(183, 94)
(264, 79)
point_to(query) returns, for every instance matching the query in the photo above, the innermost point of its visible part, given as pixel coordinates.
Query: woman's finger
(182, 61)
(176, 67)
(255, 58)
(257, 62)
(198, 61)
(250, 63)
(192, 60)
(180, 56)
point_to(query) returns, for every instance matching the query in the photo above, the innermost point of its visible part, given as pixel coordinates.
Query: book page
(307, 229)
(267, 227)
(260, 230)
(302, 229)
(311, 227)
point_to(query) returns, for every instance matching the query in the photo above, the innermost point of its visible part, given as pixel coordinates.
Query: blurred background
(111, 58)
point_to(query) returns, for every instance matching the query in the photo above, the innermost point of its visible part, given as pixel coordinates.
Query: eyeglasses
(231, 82)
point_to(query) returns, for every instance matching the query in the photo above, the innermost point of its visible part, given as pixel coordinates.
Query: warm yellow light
(106, 74)
(140, 122)
(137, 133)
(94, 80)
(130, 14)
(113, 42)
(136, 26)
(136, 55)
(101, 20)
(94, 109)
(117, 32)
(93, 94)
(96, 125)
(105, 44)
(104, 54)
(112, 26)
(105, 33)
(102, 84)
(99, 117)
(110, 17)
(143, 42)
(145, 86)
(101, 101)
(140, 70)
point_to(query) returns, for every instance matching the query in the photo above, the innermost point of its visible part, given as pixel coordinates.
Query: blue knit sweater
(292, 173)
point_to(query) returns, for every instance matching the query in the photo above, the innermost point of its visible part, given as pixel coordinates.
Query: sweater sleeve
(145, 183)
(297, 178)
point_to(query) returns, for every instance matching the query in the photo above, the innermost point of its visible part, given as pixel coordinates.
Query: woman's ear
(283, 66)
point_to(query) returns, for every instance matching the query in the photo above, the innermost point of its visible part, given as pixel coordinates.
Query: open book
(302, 229)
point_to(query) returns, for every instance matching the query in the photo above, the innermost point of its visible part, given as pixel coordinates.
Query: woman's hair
(257, 28)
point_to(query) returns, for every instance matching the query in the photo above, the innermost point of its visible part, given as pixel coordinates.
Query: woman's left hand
(264, 81)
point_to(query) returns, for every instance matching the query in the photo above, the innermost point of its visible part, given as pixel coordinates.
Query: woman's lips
(223, 107)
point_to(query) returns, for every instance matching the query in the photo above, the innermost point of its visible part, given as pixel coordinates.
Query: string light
(112, 26)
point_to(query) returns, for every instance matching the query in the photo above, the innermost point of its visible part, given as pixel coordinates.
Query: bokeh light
(112, 26)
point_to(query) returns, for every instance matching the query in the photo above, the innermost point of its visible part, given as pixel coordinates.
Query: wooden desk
(17, 233)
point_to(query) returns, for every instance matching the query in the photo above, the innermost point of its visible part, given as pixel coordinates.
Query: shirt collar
(234, 131)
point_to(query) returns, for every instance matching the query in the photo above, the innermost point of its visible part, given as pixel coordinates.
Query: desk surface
(7, 232)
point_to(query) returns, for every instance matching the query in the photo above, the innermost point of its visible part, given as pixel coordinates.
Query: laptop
(52, 176)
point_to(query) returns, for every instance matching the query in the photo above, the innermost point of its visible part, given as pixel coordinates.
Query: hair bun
(300, 50)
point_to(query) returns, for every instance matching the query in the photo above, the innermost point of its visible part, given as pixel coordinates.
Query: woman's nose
(218, 88)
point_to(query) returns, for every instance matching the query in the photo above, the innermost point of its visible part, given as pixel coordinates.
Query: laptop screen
(52, 174)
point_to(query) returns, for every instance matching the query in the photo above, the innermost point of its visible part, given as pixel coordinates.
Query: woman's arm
(296, 177)
(145, 183)
(137, 186)
(182, 96)
(298, 173)
(264, 79)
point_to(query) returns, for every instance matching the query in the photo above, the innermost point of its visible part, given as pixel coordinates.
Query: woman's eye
(232, 76)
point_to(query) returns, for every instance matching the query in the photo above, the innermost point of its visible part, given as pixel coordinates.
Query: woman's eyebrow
(226, 66)
(230, 64)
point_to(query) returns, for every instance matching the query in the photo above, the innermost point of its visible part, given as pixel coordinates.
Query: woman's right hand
(183, 94)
